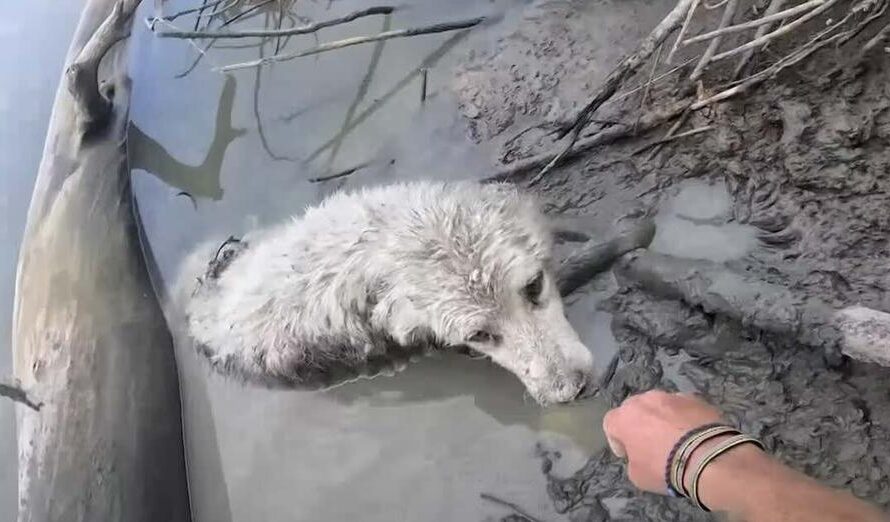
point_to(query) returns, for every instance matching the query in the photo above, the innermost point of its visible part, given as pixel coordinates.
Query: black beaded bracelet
(673, 453)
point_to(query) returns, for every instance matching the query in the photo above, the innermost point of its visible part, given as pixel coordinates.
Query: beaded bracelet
(668, 480)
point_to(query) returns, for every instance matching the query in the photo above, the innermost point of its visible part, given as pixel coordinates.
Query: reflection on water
(195, 181)
(421, 445)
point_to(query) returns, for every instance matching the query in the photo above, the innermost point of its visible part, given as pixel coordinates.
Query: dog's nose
(584, 380)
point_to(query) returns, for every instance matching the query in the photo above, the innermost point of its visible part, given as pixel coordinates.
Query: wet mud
(787, 190)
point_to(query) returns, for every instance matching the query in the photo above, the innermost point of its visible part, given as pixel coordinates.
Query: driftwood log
(858, 332)
(89, 338)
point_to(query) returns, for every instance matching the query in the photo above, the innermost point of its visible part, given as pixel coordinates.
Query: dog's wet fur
(382, 273)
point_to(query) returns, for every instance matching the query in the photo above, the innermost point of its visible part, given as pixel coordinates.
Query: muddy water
(694, 221)
(34, 36)
(216, 155)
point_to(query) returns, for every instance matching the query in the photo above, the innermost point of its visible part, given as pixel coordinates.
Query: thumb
(614, 444)
(616, 447)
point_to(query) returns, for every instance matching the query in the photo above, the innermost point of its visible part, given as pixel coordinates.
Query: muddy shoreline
(804, 161)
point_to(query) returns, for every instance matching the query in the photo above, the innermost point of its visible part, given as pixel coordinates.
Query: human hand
(647, 426)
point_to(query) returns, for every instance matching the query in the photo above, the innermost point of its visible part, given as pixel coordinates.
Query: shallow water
(694, 221)
(422, 445)
(34, 36)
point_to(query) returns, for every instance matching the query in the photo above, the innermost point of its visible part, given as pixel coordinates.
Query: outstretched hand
(645, 428)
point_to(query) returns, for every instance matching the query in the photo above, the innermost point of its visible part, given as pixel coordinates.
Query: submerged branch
(516, 509)
(358, 40)
(264, 33)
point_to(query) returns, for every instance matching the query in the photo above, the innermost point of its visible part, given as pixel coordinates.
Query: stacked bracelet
(718, 450)
(684, 448)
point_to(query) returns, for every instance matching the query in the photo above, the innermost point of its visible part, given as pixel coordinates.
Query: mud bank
(801, 163)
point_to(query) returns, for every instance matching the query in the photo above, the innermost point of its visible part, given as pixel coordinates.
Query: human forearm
(750, 485)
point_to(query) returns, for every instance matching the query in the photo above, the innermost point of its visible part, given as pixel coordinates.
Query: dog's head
(475, 270)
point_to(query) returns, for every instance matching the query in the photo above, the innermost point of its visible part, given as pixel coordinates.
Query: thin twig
(766, 19)
(728, 13)
(792, 59)
(151, 21)
(265, 33)
(240, 16)
(876, 40)
(423, 84)
(616, 78)
(198, 18)
(12, 390)
(358, 40)
(648, 85)
(670, 133)
(778, 32)
(609, 135)
(668, 139)
(683, 29)
(871, 18)
(256, 113)
(772, 9)
(342, 174)
(518, 510)
(655, 80)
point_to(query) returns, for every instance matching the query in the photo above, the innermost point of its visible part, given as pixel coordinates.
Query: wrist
(730, 482)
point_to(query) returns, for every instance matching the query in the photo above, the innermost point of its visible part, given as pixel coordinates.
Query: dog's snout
(582, 381)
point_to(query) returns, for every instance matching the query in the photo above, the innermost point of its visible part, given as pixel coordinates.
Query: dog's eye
(533, 288)
(480, 336)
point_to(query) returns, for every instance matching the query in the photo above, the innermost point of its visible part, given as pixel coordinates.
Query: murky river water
(215, 155)
(422, 445)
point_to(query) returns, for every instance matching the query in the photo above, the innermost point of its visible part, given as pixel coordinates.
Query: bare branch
(265, 33)
(683, 29)
(778, 32)
(11, 389)
(82, 76)
(616, 78)
(728, 13)
(794, 58)
(772, 9)
(169, 18)
(768, 18)
(671, 138)
(358, 40)
(655, 80)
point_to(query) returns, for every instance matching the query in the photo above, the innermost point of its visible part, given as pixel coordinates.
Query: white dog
(392, 270)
